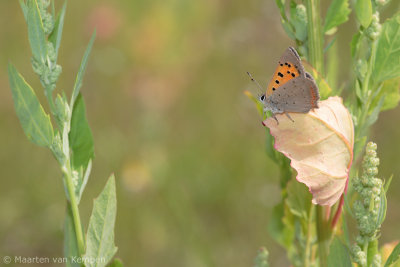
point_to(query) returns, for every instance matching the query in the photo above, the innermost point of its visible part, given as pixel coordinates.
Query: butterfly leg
(273, 116)
(290, 118)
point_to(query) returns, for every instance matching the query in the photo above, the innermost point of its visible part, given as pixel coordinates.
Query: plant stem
(367, 95)
(323, 233)
(316, 58)
(315, 38)
(74, 208)
(307, 252)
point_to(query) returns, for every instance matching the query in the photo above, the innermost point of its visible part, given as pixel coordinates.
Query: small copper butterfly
(291, 89)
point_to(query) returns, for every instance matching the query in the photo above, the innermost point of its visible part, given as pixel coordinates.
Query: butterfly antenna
(254, 80)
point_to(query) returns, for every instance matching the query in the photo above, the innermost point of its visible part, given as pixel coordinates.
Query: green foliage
(82, 68)
(299, 199)
(338, 13)
(298, 17)
(387, 57)
(34, 120)
(72, 142)
(24, 8)
(116, 263)
(394, 256)
(390, 91)
(71, 250)
(363, 11)
(80, 136)
(262, 258)
(339, 255)
(37, 38)
(55, 36)
(100, 234)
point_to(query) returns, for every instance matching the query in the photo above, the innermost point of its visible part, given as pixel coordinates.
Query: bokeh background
(164, 96)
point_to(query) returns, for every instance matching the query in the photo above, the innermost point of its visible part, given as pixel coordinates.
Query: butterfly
(291, 88)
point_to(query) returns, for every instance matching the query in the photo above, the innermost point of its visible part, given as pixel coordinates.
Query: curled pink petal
(320, 147)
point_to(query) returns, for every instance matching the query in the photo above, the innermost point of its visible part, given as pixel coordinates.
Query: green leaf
(36, 35)
(281, 226)
(55, 36)
(24, 8)
(70, 245)
(394, 256)
(82, 182)
(34, 120)
(298, 199)
(298, 17)
(363, 10)
(387, 184)
(382, 208)
(388, 51)
(100, 246)
(82, 68)
(281, 6)
(339, 255)
(80, 136)
(116, 263)
(372, 118)
(390, 90)
(338, 13)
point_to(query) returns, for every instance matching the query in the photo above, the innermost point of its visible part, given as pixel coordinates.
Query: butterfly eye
(262, 98)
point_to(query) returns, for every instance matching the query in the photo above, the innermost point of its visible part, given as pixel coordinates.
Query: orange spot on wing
(285, 72)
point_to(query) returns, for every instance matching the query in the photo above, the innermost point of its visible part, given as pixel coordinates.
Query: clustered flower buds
(375, 28)
(48, 71)
(47, 18)
(367, 207)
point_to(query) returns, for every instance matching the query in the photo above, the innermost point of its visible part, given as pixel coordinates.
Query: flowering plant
(322, 144)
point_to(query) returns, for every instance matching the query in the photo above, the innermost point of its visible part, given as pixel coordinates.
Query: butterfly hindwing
(289, 67)
(297, 95)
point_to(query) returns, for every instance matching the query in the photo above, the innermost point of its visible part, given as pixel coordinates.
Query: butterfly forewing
(289, 67)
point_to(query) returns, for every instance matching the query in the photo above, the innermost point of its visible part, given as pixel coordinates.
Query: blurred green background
(164, 95)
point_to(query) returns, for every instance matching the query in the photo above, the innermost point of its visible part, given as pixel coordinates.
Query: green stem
(315, 38)
(323, 234)
(316, 58)
(367, 95)
(74, 207)
(307, 252)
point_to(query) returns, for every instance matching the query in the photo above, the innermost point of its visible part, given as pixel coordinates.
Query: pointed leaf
(339, 255)
(320, 147)
(382, 208)
(34, 120)
(338, 13)
(388, 51)
(55, 36)
(82, 68)
(373, 117)
(82, 182)
(80, 136)
(390, 90)
(37, 37)
(70, 245)
(24, 8)
(394, 256)
(298, 199)
(363, 10)
(100, 246)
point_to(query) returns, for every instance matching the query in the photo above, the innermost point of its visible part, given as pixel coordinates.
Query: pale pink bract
(320, 147)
